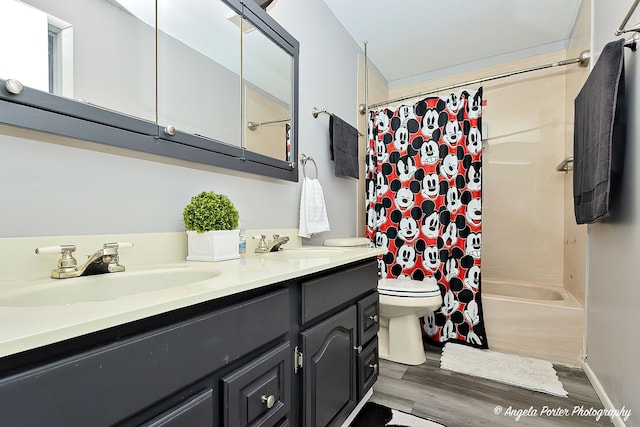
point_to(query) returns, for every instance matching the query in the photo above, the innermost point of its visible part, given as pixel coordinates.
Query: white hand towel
(313, 213)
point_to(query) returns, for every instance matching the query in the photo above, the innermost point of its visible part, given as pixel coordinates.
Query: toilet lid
(408, 288)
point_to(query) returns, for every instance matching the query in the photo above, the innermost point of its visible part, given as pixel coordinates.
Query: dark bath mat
(375, 415)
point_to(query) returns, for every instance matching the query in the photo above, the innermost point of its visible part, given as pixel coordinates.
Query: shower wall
(575, 236)
(523, 195)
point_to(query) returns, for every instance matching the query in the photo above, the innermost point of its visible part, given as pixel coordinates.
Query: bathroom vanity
(270, 341)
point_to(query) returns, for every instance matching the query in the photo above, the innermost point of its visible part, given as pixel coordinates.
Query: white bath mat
(533, 374)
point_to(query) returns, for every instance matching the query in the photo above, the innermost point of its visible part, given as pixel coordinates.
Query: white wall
(56, 186)
(613, 287)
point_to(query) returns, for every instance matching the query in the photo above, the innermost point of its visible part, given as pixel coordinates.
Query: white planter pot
(217, 245)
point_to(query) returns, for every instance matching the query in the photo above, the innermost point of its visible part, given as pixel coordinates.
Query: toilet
(402, 303)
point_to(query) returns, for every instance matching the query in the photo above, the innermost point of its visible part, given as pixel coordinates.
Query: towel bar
(315, 112)
(565, 165)
(303, 160)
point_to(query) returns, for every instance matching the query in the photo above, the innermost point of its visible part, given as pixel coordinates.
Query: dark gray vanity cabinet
(299, 353)
(168, 376)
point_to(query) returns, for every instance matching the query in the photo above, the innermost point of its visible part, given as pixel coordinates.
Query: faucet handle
(118, 245)
(66, 262)
(111, 250)
(58, 249)
(263, 246)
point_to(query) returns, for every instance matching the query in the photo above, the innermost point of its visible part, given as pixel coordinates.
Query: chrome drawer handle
(374, 318)
(269, 400)
(374, 367)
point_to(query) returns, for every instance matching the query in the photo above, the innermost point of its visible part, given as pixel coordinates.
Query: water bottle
(242, 242)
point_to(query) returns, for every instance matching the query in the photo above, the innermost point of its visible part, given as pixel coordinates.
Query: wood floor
(458, 400)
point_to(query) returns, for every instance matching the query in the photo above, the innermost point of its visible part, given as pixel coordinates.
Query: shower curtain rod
(582, 61)
(621, 29)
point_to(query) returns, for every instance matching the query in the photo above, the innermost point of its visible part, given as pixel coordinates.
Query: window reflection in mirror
(199, 87)
(95, 51)
(267, 72)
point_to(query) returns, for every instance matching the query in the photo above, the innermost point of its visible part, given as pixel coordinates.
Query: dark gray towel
(599, 135)
(344, 147)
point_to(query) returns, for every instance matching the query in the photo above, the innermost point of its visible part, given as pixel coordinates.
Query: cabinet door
(195, 412)
(329, 369)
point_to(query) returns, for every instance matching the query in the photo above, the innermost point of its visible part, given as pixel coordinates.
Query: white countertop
(30, 323)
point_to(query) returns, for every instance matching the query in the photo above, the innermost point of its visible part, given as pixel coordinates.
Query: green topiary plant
(209, 211)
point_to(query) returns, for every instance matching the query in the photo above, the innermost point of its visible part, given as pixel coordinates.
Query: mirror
(71, 49)
(199, 69)
(99, 70)
(267, 77)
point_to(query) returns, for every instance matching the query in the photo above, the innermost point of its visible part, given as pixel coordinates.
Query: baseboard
(602, 394)
(358, 408)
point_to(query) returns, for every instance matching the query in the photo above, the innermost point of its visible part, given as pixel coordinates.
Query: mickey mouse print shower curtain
(424, 204)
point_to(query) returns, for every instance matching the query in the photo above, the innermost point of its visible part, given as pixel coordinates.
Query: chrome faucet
(106, 260)
(275, 245)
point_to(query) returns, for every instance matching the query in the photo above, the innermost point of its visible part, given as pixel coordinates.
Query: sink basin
(104, 287)
(304, 253)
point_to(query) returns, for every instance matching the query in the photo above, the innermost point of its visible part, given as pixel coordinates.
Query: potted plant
(211, 220)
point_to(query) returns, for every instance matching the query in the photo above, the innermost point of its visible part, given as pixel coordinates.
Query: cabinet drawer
(332, 290)
(108, 384)
(195, 412)
(367, 367)
(368, 318)
(247, 391)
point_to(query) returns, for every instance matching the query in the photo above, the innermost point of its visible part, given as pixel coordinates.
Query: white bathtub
(540, 321)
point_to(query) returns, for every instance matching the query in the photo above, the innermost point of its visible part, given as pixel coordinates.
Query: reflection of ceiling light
(246, 26)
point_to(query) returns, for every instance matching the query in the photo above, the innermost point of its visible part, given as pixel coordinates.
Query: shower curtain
(424, 204)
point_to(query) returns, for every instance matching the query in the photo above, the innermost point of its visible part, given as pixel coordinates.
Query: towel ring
(304, 159)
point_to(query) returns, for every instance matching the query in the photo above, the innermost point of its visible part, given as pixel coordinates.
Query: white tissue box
(219, 245)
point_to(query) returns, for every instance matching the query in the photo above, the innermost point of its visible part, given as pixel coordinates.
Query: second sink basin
(104, 287)
(305, 253)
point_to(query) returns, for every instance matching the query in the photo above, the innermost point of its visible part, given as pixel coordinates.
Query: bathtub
(545, 322)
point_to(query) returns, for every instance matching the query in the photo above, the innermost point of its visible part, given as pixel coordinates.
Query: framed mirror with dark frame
(195, 95)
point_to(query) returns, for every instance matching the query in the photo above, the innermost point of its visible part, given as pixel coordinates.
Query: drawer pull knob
(269, 400)
(374, 366)
(374, 318)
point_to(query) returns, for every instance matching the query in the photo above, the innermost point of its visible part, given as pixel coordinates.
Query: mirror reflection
(199, 84)
(94, 51)
(267, 88)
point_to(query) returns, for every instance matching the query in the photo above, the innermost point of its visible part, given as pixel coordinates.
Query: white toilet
(402, 303)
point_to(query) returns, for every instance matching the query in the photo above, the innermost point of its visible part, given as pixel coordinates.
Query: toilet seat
(408, 288)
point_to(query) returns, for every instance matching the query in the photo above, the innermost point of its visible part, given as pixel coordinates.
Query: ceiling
(415, 40)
